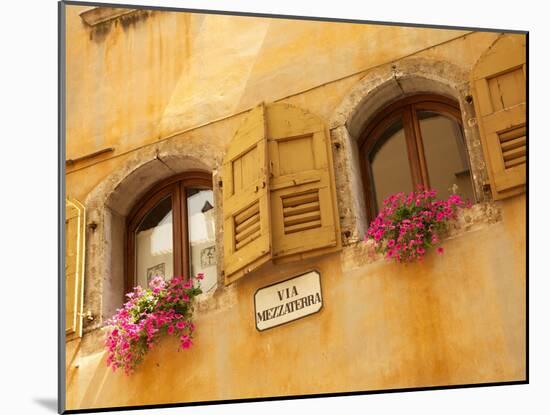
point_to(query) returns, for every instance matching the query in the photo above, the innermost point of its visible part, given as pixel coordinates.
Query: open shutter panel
(74, 267)
(246, 210)
(499, 87)
(303, 208)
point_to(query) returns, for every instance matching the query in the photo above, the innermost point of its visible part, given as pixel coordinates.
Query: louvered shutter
(499, 87)
(303, 207)
(247, 238)
(74, 267)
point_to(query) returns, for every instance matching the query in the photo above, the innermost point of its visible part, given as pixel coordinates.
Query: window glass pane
(390, 164)
(202, 247)
(445, 154)
(154, 244)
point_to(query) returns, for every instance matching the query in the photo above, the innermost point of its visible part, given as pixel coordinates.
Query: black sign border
(315, 269)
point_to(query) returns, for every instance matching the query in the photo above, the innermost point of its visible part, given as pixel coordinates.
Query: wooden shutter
(75, 220)
(246, 210)
(303, 203)
(499, 87)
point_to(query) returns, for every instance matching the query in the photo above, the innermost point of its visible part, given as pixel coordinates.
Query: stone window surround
(379, 88)
(110, 201)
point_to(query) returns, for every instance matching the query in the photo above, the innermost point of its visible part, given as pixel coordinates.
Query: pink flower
(200, 275)
(148, 313)
(439, 250)
(185, 342)
(157, 282)
(406, 224)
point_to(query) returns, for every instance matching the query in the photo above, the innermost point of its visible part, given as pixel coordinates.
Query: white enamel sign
(288, 300)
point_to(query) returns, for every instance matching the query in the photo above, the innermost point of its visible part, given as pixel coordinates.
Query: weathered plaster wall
(133, 82)
(143, 77)
(168, 91)
(453, 319)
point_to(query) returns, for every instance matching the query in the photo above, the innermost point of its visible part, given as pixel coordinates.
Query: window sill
(478, 217)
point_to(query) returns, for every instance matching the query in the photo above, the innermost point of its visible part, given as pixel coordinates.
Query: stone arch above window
(378, 89)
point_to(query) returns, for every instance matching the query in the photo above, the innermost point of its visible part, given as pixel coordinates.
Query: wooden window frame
(176, 187)
(406, 109)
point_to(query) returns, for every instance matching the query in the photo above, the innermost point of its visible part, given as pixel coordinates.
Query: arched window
(415, 141)
(170, 232)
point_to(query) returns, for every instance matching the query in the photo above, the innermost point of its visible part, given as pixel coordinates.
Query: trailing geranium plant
(164, 308)
(409, 225)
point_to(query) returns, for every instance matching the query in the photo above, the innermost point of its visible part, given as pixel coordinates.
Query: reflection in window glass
(390, 164)
(154, 244)
(445, 154)
(202, 246)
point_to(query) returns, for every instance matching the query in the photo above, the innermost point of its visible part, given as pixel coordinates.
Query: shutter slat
(299, 200)
(303, 226)
(252, 229)
(301, 208)
(301, 218)
(247, 240)
(246, 214)
(512, 134)
(514, 153)
(255, 218)
(515, 162)
(513, 143)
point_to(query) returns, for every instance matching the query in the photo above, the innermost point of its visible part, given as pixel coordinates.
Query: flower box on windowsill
(475, 218)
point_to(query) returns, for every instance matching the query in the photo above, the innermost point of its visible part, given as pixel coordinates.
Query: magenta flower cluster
(166, 307)
(409, 225)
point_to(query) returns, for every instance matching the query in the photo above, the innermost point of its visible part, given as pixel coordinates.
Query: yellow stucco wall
(170, 72)
(453, 319)
(456, 318)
